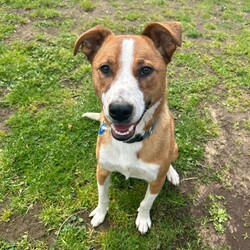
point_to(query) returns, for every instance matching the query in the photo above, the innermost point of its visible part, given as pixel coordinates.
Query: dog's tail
(92, 116)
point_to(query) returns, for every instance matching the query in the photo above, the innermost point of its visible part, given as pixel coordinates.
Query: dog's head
(129, 72)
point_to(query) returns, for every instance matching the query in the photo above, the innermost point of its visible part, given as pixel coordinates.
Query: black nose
(120, 112)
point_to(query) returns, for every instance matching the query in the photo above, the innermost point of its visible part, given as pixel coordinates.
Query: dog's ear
(166, 37)
(91, 41)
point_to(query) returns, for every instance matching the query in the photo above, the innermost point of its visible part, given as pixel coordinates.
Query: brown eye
(146, 71)
(105, 69)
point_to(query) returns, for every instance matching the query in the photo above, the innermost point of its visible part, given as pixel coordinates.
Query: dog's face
(128, 76)
(129, 72)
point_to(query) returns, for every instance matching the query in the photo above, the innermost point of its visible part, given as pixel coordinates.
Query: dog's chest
(122, 157)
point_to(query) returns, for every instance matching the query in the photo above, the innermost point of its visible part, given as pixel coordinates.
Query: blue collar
(137, 137)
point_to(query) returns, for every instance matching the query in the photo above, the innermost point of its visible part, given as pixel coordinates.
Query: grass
(218, 214)
(87, 5)
(47, 153)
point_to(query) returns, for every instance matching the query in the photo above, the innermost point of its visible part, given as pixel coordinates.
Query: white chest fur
(122, 157)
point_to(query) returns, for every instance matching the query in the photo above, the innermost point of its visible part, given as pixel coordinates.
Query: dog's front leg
(99, 213)
(143, 221)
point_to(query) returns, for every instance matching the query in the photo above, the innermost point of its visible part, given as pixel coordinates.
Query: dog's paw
(143, 222)
(98, 215)
(173, 176)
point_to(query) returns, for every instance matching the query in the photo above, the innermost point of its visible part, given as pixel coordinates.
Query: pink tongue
(122, 128)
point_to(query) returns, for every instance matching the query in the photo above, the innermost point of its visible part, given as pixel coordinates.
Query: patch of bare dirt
(229, 155)
(24, 32)
(27, 224)
(4, 115)
(27, 32)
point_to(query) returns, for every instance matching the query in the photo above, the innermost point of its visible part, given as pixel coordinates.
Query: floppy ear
(166, 37)
(91, 41)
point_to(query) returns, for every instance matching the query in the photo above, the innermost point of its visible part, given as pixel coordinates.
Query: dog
(136, 136)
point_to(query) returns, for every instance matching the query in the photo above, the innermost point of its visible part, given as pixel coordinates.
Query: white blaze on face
(125, 87)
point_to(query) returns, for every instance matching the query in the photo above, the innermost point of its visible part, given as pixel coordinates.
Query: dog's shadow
(128, 194)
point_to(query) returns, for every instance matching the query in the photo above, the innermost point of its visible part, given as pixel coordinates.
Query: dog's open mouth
(123, 132)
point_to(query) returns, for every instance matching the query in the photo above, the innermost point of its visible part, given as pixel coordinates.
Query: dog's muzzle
(121, 114)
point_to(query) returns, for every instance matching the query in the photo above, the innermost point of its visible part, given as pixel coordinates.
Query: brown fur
(102, 47)
(160, 147)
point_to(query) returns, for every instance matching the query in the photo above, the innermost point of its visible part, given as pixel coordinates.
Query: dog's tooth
(120, 133)
(131, 128)
(124, 133)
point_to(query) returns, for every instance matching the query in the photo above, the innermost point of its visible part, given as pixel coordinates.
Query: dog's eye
(146, 71)
(105, 69)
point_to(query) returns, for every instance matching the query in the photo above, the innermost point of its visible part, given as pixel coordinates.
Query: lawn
(47, 150)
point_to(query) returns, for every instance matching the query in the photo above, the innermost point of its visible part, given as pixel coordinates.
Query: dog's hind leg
(92, 116)
(173, 176)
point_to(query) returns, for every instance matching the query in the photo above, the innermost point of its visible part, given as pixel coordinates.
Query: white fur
(173, 176)
(146, 118)
(122, 157)
(101, 210)
(143, 221)
(125, 87)
(92, 116)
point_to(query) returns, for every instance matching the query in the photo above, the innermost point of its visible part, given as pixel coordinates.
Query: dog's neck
(141, 137)
(149, 122)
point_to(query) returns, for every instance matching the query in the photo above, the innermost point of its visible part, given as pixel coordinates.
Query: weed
(245, 235)
(218, 214)
(247, 124)
(193, 33)
(157, 2)
(87, 5)
(210, 26)
(6, 215)
(74, 237)
(246, 219)
(132, 16)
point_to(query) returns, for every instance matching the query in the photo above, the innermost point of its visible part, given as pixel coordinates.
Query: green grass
(44, 13)
(87, 5)
(218, 214)
(47, 154)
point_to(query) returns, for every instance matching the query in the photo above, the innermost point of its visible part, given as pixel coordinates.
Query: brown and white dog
(136, 137)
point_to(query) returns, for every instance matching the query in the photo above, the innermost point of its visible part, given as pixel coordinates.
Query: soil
(4, 114)
(231, 148)
(26, 224)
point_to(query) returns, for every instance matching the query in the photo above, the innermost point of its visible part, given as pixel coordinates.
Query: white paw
(143, 222)
(173, 176)
(98, 215)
